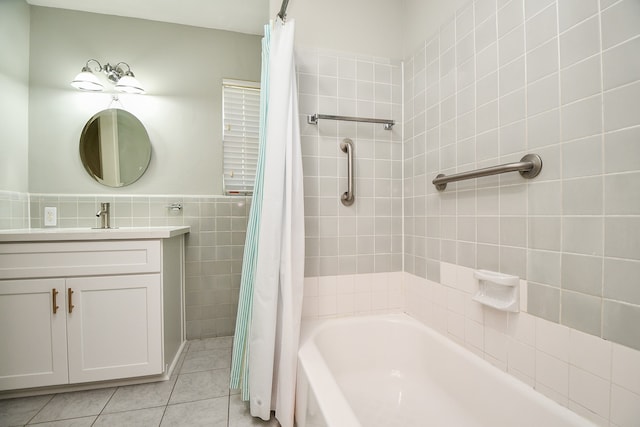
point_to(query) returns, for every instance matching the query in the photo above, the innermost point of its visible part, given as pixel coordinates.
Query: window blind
(241, 124)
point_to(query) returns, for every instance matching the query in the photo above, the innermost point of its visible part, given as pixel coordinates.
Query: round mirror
(115, 147)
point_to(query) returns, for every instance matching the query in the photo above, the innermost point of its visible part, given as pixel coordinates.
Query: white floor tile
(17, 412)
(74, 405)
(149, 417)
(201, 385)
(140, 396)
(209, 413)
(73, 422)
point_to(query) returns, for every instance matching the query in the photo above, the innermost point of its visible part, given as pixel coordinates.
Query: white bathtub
(391, 370)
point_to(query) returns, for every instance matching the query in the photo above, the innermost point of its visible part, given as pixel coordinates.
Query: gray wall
(560, 79)
(182, 68)
(14, 102)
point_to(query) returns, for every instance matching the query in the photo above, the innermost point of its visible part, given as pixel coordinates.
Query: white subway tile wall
(594, 377)
(352, 294)
(367, 236)
(213, 250)
(560, 78)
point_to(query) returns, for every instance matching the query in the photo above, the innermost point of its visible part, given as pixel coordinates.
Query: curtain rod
(283, 9)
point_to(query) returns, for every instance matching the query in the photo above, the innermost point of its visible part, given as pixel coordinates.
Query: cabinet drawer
(58, 259)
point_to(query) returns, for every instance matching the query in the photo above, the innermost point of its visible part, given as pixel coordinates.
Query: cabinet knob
(70, 295)
(54, 293)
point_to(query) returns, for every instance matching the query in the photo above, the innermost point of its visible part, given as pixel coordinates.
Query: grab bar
(529, 167)
(313, 120)
(348, 198)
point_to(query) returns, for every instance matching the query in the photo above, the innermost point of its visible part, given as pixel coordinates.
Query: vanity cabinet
(33, 339)
(115, 327)
(80, 312)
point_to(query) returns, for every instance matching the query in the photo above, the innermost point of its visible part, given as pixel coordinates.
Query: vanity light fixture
(125, 81)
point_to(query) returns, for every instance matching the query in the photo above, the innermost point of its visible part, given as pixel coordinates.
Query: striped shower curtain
(240, 366)
(268, 323)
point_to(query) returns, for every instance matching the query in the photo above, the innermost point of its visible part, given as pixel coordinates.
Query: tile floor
(196, 395)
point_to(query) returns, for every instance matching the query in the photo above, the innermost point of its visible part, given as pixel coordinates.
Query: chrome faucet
(103, 213)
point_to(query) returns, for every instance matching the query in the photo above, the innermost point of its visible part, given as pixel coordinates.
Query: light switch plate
(50, 216)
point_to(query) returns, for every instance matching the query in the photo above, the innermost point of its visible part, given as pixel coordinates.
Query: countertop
(85, 233)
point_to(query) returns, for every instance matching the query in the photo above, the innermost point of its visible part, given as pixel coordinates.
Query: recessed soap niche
(498, 290)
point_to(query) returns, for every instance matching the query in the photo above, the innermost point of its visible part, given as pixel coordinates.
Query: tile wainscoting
(213, 250)
(14, 210)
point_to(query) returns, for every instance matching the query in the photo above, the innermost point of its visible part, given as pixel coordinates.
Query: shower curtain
(270, 321)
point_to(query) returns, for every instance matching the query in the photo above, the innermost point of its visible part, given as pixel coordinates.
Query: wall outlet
(50, 217)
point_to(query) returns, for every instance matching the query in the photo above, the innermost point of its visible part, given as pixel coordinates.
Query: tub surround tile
(622, 192)
(522, 328)
(592, 376)
(582, 274)
(572, 12)
(522, 360)
(625, 407)
(544, 267)
(588, 414)
(626, 368)
(582, 196)
(328, 296)
(589, 391)
(590, 353)
(619, 23)
(619, 105)
(496, 345)
(474, 336)
(544, 301)
(619, 323)
(552, 372)
(581, 312)
(573, 60)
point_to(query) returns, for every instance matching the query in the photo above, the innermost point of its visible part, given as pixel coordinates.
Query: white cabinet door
(33, 343)
(114, 327)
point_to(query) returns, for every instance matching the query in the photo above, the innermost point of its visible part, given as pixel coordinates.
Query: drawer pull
(70, 294)
(54, 293)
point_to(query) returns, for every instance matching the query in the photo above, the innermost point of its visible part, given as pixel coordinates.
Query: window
(241, 124)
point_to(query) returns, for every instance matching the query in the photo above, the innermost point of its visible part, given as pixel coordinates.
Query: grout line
(40, 410)
(602, 169)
